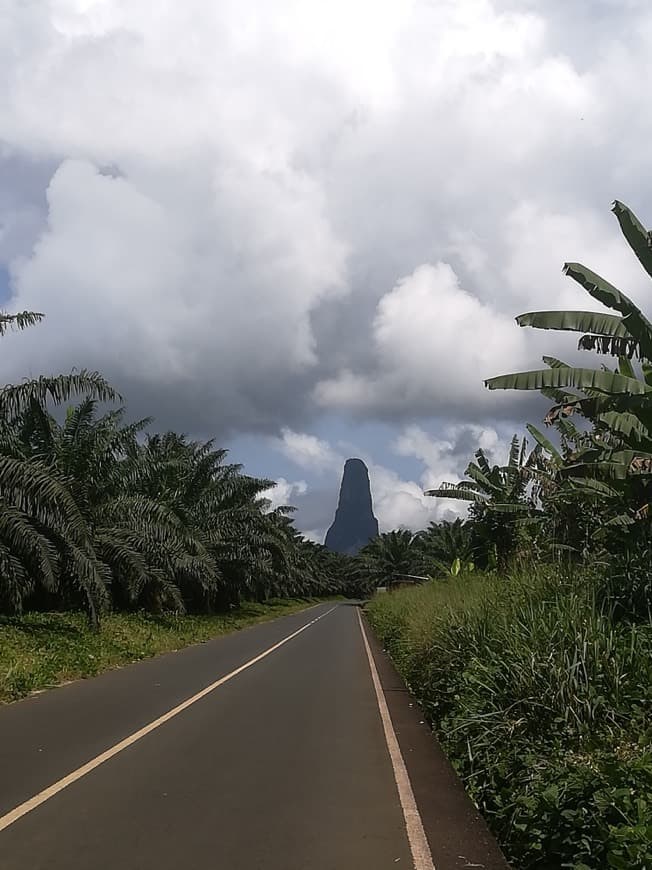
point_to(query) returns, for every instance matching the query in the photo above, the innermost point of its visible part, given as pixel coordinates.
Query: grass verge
(41, 650)
(542, 702)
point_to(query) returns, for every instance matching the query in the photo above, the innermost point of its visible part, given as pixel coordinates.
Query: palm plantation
(99, 514)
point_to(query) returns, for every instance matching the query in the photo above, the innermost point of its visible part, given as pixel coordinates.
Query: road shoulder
(458, 835)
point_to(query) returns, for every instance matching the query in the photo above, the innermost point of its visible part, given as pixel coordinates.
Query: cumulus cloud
(245, 214)
(446, 457)
(160, 301)
(397, 502)
(432, 340)
(401, 504)
(308, 451)
(285, 492)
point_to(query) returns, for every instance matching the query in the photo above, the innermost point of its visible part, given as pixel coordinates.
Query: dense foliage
(96, 513)
(542, 702)
(535, 671)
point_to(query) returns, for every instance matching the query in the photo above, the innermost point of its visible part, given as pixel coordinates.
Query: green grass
(41, 650)
(542, 703)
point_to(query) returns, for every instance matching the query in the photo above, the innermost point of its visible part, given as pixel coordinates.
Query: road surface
(285, 762)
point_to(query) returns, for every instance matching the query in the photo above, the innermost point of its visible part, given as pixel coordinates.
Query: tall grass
(543, 703)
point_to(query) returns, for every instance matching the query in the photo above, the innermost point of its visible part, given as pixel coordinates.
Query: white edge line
(49, 792)
(421, 855)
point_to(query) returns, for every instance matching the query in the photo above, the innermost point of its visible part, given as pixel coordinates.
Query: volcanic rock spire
(354, 524)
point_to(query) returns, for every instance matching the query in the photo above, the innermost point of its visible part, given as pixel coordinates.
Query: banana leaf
(457, 492)
(576, 321)
(544, 442)
(635, 233)
(637, 325)
(580, 379)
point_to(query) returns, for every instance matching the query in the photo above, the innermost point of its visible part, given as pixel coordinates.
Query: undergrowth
(542, 701)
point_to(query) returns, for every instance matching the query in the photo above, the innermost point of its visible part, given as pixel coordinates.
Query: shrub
(542, 702)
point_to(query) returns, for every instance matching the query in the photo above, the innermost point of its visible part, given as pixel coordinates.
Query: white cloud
(309, 452)
(446, 457)
(541, 240)
(280, 166)
(402, 503)
(315, 535)
(145, 289)
(285, 492)
(432, 339)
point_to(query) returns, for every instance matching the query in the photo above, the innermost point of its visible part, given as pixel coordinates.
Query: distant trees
(385, 559)
(96, 513)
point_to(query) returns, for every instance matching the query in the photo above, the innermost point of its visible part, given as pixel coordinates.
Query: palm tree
(94, 511)
(388, 558)
(499, 501)
(37, 511)
(616, 402)
(444, 544)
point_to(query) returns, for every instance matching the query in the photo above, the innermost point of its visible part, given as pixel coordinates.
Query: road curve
(284, 766)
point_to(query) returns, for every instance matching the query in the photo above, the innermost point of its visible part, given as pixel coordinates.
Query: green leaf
(513, 452)
(626, 368)
(555, 363)
(581, 379)
(479, 479)
(517, 508)
(451, 490)
(635, 233)
(14, 399)
(22, 320)
(575, 321)
(638, 326)
(560, 396)
(621, 520)
(594, 487)
(482, 461)
(609, 345)
(544, 442)
(647, 373)
(626, 424)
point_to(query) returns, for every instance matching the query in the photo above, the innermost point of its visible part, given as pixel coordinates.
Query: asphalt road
(283, 767)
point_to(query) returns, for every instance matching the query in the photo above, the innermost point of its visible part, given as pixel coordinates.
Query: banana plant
(616, 402)
(495, 487)
(500, 502)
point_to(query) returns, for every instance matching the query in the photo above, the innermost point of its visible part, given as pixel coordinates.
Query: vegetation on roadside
(542, 703)
(100, 515)
(530, 647)
(41, 650)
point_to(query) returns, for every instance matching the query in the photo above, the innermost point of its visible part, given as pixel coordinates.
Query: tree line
(97, 512)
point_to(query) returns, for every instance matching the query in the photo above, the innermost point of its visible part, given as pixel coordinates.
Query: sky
(304, 229)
